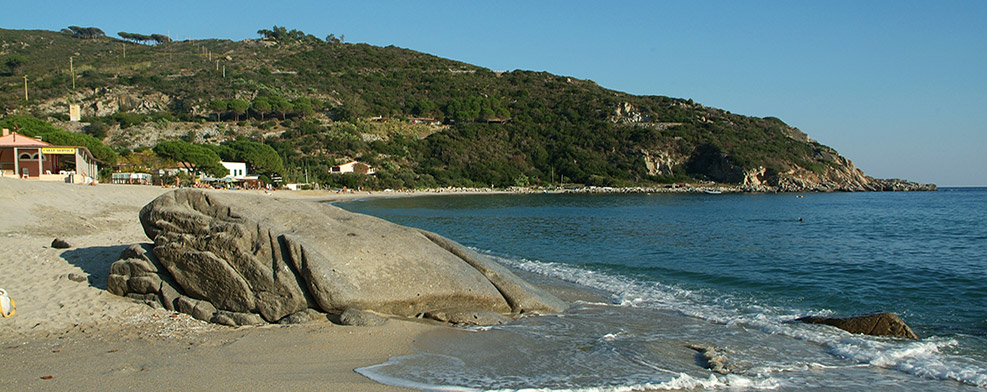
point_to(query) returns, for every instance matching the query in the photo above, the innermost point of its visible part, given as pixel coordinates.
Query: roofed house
(353, 167)
(27, 157)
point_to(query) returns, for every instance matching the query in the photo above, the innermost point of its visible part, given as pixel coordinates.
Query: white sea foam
(377, 373)
(921, 358)
(680, 381)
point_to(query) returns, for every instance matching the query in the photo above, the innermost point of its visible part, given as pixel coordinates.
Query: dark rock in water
(711, 358)
(360, 318)
(272, 258)
(59, 243)
(877, 324)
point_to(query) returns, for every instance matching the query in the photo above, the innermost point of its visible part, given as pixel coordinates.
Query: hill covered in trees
(421, 120)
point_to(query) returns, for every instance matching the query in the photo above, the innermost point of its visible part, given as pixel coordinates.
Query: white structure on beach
(238, 170)
(353, 167)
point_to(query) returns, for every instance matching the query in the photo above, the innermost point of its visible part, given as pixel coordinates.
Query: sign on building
(58, 150)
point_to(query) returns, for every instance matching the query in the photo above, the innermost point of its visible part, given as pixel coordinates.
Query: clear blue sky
(899, 87)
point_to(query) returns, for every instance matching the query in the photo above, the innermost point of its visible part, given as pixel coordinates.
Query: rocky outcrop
(711, 358)
(877, 324)
(898, 185)
(105, 101)
(244, 259)
(659, 163)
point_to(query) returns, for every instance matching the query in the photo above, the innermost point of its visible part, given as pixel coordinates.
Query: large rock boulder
(256, 255)
(877, 324)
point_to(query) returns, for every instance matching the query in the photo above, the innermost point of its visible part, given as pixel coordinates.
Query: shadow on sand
(94, 261)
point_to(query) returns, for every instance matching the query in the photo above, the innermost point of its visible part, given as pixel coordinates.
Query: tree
(218, 106)
(261, 106)
(140, 38)
(86, 32)
(302, 107)
(238, 107)
(160, 38)
(280, 105)
(281, 34)
(260, 158)
(15, 63)
(196, 157)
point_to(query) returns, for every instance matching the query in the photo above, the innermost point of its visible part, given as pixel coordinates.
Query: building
(353, 167)
(27, 157)
(131, 178)
(237, 177)
(238, 170)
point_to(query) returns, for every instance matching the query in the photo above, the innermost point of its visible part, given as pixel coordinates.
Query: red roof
(15, 139)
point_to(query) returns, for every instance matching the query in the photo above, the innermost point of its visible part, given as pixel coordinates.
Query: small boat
(712, 191)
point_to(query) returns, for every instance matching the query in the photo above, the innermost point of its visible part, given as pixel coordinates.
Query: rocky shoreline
(875, 185)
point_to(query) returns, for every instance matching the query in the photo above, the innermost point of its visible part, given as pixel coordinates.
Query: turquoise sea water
(727, 270)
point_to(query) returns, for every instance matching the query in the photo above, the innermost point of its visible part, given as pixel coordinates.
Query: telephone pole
(25, 88)
(72, 71)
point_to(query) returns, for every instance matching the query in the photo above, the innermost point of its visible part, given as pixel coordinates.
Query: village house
(238, 175)
(27, 157)
(238, 170)
(353, 167)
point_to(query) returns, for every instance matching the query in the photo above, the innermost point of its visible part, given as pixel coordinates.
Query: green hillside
(318, 102)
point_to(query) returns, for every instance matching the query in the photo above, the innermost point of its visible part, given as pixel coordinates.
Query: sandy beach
(70, 333)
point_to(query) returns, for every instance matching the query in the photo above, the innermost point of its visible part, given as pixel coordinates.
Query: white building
(353, 167)
(238, 170)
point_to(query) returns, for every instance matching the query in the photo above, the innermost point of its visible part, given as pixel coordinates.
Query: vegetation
(195, 157)
(143, 38)
(315, 103)
(84, 32)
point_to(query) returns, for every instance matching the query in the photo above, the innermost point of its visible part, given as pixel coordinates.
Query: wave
(679, 381)
(924, 358)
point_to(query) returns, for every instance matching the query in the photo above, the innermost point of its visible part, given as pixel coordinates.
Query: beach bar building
(27, 157)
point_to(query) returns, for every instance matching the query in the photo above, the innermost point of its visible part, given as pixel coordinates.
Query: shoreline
(69, 327)
(70, 333)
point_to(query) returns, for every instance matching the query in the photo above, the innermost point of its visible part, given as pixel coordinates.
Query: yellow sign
(58, 150)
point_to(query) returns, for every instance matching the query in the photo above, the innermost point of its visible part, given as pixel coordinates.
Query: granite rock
(876, 324)
(273, 258)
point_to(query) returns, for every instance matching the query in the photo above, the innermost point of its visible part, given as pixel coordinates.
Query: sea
(662, 272)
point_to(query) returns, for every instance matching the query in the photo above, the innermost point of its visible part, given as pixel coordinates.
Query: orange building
(27, 157)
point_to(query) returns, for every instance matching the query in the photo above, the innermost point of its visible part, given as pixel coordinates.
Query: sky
(898, 87)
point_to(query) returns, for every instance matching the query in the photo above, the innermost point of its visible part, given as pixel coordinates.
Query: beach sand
(72, 334)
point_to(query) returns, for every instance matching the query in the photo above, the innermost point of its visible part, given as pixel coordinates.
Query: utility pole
(25, 88)
(124, 49)
(72, 71)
